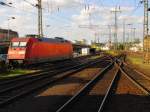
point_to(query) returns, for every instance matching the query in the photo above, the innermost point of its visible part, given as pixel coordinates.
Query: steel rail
(109, 90)
(41, 74)
(34, 75)
(29, 82)
(139, 73)
(81, 91)
(141, 87)
(9, 80)
(33, 89)
(30, 76)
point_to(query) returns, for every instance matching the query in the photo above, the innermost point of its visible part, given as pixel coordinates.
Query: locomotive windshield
(19, 44)
(23, 44)
(15, 44)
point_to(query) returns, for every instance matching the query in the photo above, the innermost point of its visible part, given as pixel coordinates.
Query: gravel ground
(52, 97)
(91, 101)
(138, 77)
(128, 98)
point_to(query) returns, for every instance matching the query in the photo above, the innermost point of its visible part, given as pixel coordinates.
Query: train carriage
(36, 50)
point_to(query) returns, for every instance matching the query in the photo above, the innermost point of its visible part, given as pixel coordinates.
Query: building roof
(6, 31)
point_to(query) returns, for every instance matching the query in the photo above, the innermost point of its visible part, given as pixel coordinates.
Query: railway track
(100, 94)
(52, 67)
(139, 79)
(106, 86)
(11, 94)
(40, 75)
(79, 102)
(130, 95)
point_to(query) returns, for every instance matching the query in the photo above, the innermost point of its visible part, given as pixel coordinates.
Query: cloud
(26, 18)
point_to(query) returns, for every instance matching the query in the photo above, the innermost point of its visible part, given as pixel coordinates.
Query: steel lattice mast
(40, 21)
(145, 32)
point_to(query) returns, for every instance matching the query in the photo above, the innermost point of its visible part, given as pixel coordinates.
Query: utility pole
(131, 35)
(8, 33)
(116, 11)
(40, 21)
(134, 32)
(124, 31)
(110, 42)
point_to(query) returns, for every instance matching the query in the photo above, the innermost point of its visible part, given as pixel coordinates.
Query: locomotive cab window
(23, 44)
(15, 44)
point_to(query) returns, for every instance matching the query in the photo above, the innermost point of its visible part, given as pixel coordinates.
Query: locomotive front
(17, 50)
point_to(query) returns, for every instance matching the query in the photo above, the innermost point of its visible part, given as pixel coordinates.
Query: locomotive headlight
(11, 52)
(21, 52)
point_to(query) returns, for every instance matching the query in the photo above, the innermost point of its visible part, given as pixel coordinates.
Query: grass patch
(14, 73)
(95, 57)
(113, 53)
(137, 62)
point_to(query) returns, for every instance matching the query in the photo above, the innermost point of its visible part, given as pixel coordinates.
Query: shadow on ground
(90, 103)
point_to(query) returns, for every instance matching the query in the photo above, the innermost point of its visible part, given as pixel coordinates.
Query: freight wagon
(36, 50)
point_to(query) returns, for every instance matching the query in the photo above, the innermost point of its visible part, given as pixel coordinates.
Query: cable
(30, 3)
(34, 13)
(101, 3)
(44, 9)
(5, 4)
(136, 8)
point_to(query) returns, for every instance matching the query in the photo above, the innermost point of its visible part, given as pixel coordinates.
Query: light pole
(110, 35)
(134, 34)
(130, 32)
(47, 27)
(8, 34)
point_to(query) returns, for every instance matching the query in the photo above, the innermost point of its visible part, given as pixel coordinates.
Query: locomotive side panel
(42, 51)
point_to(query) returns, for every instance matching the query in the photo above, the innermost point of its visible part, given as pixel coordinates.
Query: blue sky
(72, 14)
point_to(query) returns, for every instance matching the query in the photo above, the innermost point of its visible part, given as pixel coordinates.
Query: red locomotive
(31, 50)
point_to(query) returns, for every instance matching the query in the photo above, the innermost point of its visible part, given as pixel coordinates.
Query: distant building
(81, 42)
(99, 46)
(136, 47)
(7, 35)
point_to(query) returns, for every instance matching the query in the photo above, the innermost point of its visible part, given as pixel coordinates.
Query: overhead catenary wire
(5, 4)
(45, 9)
(34, 13)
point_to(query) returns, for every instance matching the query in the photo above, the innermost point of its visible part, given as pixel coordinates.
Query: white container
(85, 51)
